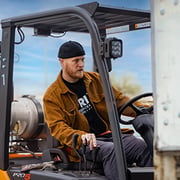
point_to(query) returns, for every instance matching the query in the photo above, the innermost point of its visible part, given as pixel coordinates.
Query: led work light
(113, 48)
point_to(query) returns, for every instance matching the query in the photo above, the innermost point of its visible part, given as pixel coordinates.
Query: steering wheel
(138, 110)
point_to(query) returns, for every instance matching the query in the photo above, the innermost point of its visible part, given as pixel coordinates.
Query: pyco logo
(23, 176)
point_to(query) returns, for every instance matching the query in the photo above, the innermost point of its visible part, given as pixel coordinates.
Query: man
(75, 104)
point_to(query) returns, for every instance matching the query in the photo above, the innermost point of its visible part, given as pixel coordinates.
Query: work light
(113, 48)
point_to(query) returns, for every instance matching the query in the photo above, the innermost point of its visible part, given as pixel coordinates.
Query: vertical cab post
(6, 90)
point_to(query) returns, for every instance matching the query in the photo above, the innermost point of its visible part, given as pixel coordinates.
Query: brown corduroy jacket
(62, 115)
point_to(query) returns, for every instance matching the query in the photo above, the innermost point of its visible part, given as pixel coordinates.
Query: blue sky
(36, 64)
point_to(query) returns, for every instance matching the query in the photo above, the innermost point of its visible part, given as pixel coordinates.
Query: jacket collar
(65, 89)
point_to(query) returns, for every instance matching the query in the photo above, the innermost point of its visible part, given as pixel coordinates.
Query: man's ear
(61, 60)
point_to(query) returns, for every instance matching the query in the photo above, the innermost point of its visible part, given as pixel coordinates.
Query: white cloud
(143, 51)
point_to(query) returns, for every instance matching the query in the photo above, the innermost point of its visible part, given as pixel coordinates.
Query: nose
(81, 63)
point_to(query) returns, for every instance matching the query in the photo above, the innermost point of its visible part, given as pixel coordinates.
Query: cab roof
(105, 17)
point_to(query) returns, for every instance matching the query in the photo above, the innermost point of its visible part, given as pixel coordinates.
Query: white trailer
(165, 28)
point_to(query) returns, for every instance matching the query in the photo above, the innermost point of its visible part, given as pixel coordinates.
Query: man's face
(72, 68)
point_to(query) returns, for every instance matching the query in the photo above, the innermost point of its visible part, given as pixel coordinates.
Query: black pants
(135, 149)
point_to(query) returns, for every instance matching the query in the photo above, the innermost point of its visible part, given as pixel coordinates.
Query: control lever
(74, 142)
(84, 156)
(94, 156)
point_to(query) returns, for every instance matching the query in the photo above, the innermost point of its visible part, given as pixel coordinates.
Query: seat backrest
(51, 141)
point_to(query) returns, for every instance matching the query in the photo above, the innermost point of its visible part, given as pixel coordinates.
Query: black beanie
(71, 49)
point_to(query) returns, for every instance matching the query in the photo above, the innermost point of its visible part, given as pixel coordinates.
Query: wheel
(138, 110)
(143, 123)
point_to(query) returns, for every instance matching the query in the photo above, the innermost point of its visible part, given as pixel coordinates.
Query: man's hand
(89, 139)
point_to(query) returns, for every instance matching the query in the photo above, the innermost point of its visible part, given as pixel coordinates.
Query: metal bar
(110, 101)
(6, 92)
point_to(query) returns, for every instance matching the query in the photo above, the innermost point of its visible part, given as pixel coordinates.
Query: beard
(74, 74)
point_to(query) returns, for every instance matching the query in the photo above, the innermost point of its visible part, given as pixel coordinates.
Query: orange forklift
(31, 152)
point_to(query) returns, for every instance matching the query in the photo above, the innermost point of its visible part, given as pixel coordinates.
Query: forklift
(33, 154)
